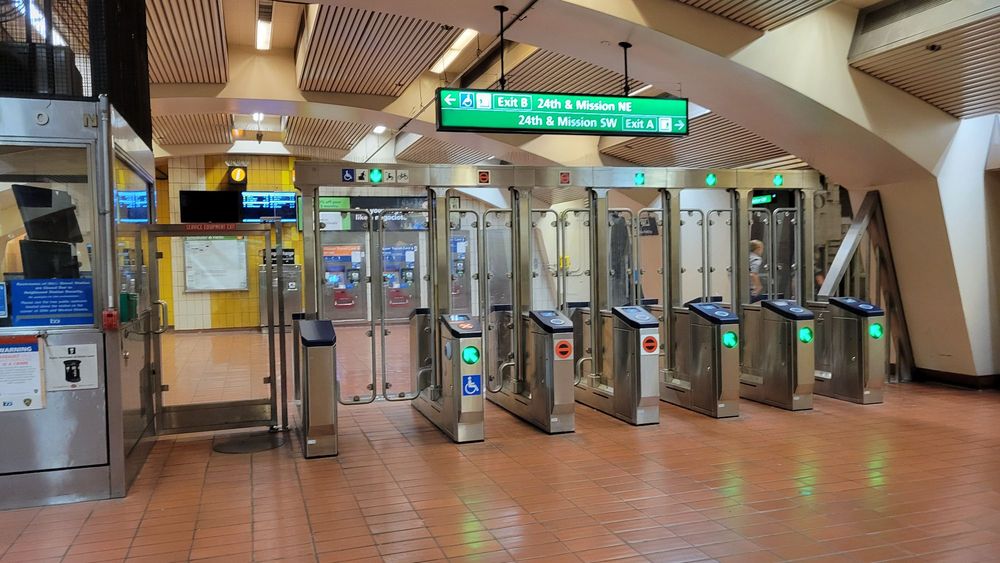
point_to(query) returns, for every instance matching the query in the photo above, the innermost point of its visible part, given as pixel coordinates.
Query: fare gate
(401, 263)
(529, 360)
(610, 328)
(594, 269)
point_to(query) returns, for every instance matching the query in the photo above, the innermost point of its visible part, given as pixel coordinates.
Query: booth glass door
(135, 332)
(207, 378)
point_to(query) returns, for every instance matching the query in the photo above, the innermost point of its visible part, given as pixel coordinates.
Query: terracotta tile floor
(916, 479)
(230, 365)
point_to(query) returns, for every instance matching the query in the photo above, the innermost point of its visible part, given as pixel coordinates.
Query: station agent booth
(76, 397)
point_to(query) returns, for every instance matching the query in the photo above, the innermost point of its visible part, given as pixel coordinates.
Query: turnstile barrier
(778, 354)
(456, 405)
(318, 407)
(545, 396)
(625, 384)
(707, 360)
(851, 350)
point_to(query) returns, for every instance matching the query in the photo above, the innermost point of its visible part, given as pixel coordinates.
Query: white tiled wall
(192, 311)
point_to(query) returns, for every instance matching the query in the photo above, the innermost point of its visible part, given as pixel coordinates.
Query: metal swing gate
(382, 265)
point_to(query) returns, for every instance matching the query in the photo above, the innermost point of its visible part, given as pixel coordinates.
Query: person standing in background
(756, 263)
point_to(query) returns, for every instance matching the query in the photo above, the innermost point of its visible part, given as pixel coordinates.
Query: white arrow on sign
(449, 99)
(679, 124)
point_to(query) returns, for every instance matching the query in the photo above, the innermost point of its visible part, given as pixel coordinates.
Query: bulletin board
(215, 264)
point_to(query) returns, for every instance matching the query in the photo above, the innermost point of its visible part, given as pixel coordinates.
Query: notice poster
(71, 367)
(215, 264)
(52, 302)
(21, 386)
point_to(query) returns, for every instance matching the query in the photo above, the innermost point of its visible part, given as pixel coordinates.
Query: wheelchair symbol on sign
(470, 385)
(465, 100)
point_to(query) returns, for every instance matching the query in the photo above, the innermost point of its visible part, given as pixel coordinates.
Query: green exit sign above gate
(566, 114)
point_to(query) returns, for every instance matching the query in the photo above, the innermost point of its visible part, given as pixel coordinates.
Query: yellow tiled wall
(227, 309)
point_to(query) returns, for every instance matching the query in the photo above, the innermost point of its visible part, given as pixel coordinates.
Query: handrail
(504, 366)
(163, 317)
(577, 375)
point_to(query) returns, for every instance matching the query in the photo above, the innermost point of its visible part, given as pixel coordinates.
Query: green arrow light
(375, 176)
(711, 180)
(779, 180)
(805, 335)
(730, 340)
(876, 331)
(470, 355)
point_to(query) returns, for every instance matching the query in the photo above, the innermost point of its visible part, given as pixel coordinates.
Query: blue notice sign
(472, 385)
(3, 300)
(347, 174)
(55, 302)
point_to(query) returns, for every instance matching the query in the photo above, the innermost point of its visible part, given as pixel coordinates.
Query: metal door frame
(378, 282)
(224, 414)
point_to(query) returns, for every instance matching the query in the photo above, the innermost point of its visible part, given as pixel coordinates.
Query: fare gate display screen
(568, 114)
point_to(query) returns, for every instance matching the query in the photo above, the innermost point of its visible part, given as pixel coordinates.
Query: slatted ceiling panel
(427, 150)
(545, 71)
(363, 52)
(200, 129)
(962, 78)
(326, 133)
(759, 14)
(187, 42)
(714, 142)
(788, 162)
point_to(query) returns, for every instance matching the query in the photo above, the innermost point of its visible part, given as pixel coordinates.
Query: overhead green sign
(567, 114)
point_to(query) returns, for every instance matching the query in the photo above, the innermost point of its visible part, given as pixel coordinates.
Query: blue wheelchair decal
(472, 385)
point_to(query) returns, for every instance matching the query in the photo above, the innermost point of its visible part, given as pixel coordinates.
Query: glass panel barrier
(404, 243)
(345, 293)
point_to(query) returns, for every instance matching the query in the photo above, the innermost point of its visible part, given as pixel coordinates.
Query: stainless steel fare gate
(400, 265)
(437, 305)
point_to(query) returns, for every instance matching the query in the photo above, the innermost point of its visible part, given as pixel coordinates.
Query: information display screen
(258, 205)
(133, 207)
(568, 114)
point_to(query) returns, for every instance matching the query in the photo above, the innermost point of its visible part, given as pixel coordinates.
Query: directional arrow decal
(449, 99)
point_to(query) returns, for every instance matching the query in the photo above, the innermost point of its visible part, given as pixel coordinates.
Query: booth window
(46, 218)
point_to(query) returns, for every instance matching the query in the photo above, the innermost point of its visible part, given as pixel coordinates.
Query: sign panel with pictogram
(650, 345)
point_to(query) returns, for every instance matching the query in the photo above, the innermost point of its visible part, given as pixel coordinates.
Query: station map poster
(215, 264)
(71, 367)
(21, 386)
(54, 302)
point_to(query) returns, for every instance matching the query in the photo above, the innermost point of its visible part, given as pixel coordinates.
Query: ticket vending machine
(461, 279)
(344, 288)
(400, 277)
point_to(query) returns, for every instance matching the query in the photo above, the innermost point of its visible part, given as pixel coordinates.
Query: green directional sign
(566, 114)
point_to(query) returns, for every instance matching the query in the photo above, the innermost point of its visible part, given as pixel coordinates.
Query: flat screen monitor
(47, 214)
(259, 205)
(210, 207)
(43, 259)
(133, 207)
